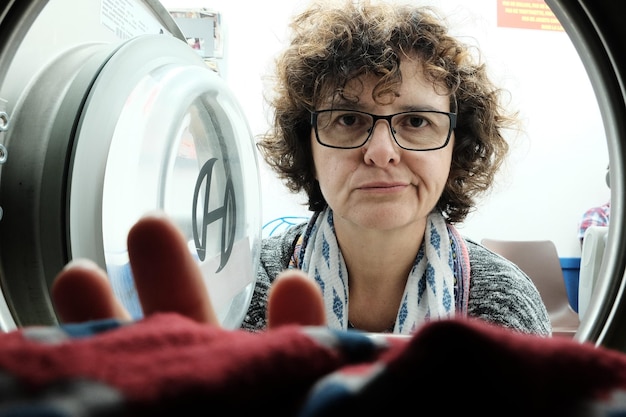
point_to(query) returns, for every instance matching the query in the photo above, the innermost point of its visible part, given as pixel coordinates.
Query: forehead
(413, 89)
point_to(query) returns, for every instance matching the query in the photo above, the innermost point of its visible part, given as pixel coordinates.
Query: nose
(381, 148)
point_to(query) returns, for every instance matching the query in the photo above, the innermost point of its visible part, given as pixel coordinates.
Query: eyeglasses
(412, 130)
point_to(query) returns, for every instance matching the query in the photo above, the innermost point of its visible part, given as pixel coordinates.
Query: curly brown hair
(333, 43)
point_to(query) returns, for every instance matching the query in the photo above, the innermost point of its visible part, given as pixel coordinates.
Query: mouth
(383, 187)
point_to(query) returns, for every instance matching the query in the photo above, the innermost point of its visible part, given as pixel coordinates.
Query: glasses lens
(343, 128)
(421, 130)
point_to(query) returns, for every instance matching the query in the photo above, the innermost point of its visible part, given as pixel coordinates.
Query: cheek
(327, 162)
(445, 159)
(433, 170)
(333, 167)
(314, 155)
(445, 173)
(325, 168)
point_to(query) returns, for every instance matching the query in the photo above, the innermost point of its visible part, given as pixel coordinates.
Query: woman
(392, 129)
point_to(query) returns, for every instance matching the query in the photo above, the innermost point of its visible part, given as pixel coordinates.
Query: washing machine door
(597, 30)
(106, 113)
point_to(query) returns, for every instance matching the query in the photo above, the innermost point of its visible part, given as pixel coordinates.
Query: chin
(383, 220)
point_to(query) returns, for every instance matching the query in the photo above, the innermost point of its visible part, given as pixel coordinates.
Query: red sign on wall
(527, 14)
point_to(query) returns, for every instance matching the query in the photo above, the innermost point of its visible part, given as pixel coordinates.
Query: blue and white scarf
(437, 287)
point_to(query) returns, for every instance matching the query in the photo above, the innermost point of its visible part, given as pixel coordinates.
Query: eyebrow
(342, 104)
(426, 107)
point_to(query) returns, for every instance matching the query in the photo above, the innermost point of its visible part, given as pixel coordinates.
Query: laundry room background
(557, 164)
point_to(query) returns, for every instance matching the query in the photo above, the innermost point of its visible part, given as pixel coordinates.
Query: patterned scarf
(437, 287)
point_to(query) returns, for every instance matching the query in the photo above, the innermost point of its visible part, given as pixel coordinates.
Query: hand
(168, 279)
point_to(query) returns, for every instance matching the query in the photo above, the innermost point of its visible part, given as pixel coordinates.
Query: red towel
(168, 365)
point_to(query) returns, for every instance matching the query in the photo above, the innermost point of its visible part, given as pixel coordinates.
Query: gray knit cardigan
(500, 292)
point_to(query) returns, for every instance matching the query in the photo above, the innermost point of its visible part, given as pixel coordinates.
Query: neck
(378, 263)
(370, 254)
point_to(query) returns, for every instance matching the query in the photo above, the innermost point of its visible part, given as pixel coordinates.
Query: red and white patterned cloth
(595, 216)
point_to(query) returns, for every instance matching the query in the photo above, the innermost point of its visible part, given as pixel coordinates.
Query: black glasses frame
(376, 117)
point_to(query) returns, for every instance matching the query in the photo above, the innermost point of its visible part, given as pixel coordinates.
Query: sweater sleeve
(501, 293)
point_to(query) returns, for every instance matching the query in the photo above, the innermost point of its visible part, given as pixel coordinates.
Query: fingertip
(153, 223)
(69, 282)
(81, 292)
(294, 298)
(166, 275)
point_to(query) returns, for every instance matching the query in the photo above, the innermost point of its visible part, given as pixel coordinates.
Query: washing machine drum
(101, 134)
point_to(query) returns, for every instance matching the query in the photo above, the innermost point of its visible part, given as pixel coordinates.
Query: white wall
(557, 165)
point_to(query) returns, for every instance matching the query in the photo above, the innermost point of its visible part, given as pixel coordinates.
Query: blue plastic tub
(571, 274)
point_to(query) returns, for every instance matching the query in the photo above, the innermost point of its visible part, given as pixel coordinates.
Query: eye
(415, 120)
(351, 119)
(347, 119)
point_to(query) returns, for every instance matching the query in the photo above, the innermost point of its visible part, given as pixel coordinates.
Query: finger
(82, 292)
(295, 299)
(167, 277)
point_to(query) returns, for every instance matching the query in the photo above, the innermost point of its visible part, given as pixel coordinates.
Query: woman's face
(381, 185)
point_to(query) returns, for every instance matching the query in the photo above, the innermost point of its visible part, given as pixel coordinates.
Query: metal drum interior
(38, 233)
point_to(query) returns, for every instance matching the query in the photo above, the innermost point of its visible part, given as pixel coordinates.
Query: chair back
(539, 259)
